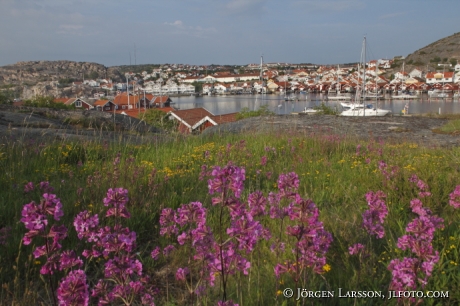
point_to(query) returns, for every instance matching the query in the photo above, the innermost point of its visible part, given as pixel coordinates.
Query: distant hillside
(52, 78)
(31, 72)
(443, 51)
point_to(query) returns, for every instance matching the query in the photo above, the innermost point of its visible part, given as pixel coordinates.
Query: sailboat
(357, 108)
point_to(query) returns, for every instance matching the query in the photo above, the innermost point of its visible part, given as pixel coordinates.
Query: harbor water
(220, 105)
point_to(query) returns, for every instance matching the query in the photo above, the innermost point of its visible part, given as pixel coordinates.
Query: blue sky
(204, 32)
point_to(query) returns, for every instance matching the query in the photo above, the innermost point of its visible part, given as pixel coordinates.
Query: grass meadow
(334, 172)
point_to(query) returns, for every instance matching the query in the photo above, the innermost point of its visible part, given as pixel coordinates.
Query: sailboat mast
(364, 75)
(261, 73)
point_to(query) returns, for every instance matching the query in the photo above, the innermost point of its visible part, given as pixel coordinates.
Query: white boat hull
(368, 112)
(404, 97)
(309, 111)
(339, 98)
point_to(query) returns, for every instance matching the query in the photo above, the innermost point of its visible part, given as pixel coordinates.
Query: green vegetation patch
(246, 113)
(452, 127)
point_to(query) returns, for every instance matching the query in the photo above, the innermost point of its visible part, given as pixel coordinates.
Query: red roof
(220, 119)
(192, 116)
(131, 112)
(160, 99)
(430, 75)
(122, 99)
(101, 102)
(61, 100)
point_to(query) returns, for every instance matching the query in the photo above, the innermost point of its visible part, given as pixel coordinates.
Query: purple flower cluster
(454, 198)
(29, 187)
(229, 178)
(263, 160)
(410, 272)
(312, 241)
(387, 172)
(116, 199)
(73, 289)
(188, 226)
(374, 217)
(288, 183)
(356, 249)
(223, 255)
(123, 276)
(422, 186)
(35, 218)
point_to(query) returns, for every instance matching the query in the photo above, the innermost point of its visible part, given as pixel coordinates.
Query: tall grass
(335, 172)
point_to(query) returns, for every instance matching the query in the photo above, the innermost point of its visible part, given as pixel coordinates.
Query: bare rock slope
(39, 123)
(413, 129)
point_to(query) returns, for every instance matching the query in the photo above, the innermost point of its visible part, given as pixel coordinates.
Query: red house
(104, 105)
(78, 102)
(198, 119)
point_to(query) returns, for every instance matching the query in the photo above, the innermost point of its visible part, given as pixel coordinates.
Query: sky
(226, 32)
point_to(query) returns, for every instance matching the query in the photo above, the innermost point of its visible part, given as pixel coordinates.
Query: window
(78, 103)
(107, 108)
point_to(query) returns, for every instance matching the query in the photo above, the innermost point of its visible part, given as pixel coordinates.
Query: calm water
(220, 105)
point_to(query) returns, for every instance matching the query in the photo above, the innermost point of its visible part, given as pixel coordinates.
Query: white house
(401, 75)
(416, 73)
(457, 77)
(439, 77)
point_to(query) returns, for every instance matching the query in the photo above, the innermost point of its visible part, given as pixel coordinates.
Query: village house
(79, 103)
(104, 105)
(439, 77)
(198, 119)
(416, 73)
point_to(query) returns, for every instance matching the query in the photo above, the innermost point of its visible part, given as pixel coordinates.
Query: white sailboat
(357, 108)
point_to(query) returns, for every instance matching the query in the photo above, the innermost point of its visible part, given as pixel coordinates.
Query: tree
(6, 97)
(48, 102)
(158, 118)
(198, 86)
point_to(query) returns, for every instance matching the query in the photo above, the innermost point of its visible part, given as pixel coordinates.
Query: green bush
(246, 113)
(47, 102)
(160, 119)
(326, 110)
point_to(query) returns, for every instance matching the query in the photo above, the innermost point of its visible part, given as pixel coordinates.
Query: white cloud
(176, 23)
(197, 31)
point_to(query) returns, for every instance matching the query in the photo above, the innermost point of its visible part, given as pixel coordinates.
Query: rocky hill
(443, 51)
(54, 78)
(32, 72)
